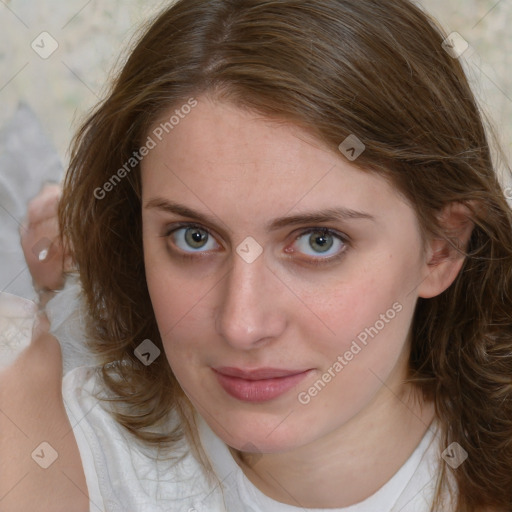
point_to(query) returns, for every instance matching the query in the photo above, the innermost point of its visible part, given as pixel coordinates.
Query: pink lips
(258, 385)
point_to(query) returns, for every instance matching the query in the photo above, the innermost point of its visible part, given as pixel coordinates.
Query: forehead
(221, 157)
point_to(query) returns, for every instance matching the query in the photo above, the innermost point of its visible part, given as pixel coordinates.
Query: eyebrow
(317, 216)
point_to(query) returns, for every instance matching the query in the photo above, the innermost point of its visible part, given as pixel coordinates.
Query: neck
(388, 429)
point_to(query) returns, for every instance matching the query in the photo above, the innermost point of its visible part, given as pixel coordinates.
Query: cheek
(347, 307)
(368, 347)
(181, 323)
(179, 302)
(172, 293)
(366, 317)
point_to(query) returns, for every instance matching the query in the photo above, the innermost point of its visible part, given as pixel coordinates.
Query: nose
(250, 312)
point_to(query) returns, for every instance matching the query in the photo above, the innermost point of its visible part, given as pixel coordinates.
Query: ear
(443, 257)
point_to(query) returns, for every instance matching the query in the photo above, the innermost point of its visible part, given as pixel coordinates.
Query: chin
(257, 432)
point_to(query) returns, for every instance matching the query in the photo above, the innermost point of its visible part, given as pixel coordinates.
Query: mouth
(259, 384)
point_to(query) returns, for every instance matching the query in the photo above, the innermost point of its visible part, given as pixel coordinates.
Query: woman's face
(282, 277)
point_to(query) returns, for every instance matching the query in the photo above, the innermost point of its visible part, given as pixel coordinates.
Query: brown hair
(335, 67)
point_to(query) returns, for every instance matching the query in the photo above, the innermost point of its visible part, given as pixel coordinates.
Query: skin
(32, 412)
(242, 171)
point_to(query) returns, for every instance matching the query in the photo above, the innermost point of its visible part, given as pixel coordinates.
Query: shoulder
(36, 436)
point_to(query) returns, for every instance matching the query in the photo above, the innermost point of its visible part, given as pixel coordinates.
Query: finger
(45, 203)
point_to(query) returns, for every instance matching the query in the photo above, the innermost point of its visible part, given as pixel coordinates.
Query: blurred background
(56, 57)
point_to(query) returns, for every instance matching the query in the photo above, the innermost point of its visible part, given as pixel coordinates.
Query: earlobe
(445, 256)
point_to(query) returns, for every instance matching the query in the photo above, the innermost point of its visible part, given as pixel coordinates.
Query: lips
(259, 384)
(257, 374)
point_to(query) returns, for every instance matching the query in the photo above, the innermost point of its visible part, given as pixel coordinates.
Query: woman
(295, 256)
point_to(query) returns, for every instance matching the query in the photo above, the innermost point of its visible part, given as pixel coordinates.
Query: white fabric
(66, 314)
(124, 476)
(16, 321)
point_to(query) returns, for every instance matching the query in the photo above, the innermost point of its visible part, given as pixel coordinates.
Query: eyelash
(311, 261)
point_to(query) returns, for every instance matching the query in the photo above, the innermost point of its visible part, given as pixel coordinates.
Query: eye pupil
(322, 241)
(196, 237)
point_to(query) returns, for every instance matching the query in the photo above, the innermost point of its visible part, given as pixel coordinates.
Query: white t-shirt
(124, 475)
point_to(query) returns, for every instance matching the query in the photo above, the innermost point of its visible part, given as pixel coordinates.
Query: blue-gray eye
(193, 238)
(320, 242)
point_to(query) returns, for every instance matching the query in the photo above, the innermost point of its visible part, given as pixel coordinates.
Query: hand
(42, 248)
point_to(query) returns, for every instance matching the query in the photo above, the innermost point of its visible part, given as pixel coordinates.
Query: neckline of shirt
(238, 488)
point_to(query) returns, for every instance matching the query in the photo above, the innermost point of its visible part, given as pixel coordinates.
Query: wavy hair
(334, 67)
